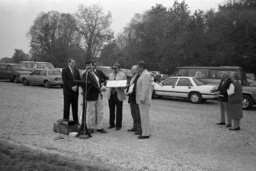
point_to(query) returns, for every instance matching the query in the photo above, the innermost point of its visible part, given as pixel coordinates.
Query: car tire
(195, 97)
(16, 79)
(25, 82)
(47, 84)
(246, 102)
(154, 96)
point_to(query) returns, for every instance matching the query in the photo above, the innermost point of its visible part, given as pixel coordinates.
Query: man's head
(71, 63)
(141, 66)
(94, 64)
(89, 65)
(224, 75)
(234, 76)
(134, 69)
(116, 67)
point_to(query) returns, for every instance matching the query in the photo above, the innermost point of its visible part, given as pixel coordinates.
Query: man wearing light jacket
(144, 88)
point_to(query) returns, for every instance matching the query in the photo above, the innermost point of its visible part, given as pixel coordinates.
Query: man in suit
(70, 90)
(115, 99)
(223, 100)
(94, 110)
(144, 90)
(98, 72)
(131, 90)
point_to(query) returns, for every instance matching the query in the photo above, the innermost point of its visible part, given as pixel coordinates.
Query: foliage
(94, 29)
(19, 55)
(167, 37)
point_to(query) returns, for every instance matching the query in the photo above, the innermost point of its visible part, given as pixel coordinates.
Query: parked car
(45, 77)
(33, 65)
(212, 75)
(185, 87)
(12, 71)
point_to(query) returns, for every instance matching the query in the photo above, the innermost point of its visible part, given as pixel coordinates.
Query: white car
(185, 87)
(46, 77)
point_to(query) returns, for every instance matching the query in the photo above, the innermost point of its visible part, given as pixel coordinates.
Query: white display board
(116, 83)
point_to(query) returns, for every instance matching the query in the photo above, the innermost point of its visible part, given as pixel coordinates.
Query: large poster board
(116, 83)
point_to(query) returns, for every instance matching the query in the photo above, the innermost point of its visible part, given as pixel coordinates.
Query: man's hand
(74, 88)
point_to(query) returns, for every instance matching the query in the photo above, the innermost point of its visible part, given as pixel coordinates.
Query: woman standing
(235, 102)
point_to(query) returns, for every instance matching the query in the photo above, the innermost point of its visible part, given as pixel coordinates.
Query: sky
(17, 16)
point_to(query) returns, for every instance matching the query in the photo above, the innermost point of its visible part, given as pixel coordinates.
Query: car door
(9, 72)
(41, 77)
(183, 87)
(166, 87)
(3, 71)
(33, 77)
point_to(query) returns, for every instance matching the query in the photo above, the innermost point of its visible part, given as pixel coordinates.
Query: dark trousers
(135, 111)
(115, 106)
(68, 100)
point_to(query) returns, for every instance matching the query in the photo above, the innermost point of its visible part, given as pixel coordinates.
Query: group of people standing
(139, 90)
(230, 96)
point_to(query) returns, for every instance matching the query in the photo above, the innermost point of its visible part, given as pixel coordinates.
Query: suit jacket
(93, 86)
(103, 78)
(144, 88)
(132, 96)
(68, 81)
(223, 86)
(120, 91)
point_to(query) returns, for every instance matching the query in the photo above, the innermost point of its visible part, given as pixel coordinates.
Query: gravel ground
(184, 135)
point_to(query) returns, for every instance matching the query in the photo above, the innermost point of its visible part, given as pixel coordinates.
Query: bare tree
(94, 26)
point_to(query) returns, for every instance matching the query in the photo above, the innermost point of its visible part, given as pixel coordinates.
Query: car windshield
(49, 65)
(19, 67)
(198, 82)
(54, 72)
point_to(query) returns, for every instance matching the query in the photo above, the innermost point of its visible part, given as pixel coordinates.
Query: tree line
(164, 37)
(167, 37)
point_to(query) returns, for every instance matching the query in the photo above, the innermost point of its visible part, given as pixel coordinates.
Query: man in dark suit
(223, 97)
(70, 90)
(99, 73)
(94, 115)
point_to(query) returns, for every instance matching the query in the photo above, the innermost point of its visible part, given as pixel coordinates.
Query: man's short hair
(94, 63)
(116, 65)
(70, 59)
(235, 75)
(141, 64)
(88, 62)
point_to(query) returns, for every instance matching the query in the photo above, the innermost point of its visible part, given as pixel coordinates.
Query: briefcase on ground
(65, 127)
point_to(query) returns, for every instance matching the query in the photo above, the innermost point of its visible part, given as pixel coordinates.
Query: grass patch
(21, 158)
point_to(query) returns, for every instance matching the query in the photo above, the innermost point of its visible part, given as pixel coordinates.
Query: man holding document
(116, 83)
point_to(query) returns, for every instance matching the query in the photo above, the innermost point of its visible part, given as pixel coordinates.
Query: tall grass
(21, 158)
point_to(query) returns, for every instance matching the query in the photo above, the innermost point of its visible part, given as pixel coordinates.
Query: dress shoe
(111, 127)
(132, 130)
(143, 137)
(220, 123)
(102, 131)
(228, 125)
(138, 133)
(118, 128)
(234, 129)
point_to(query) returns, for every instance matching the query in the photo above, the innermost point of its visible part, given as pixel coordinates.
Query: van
(209, 74)
(212, 75)
(32, 65)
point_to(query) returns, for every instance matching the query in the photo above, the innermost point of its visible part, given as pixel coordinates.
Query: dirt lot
(184, 135)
